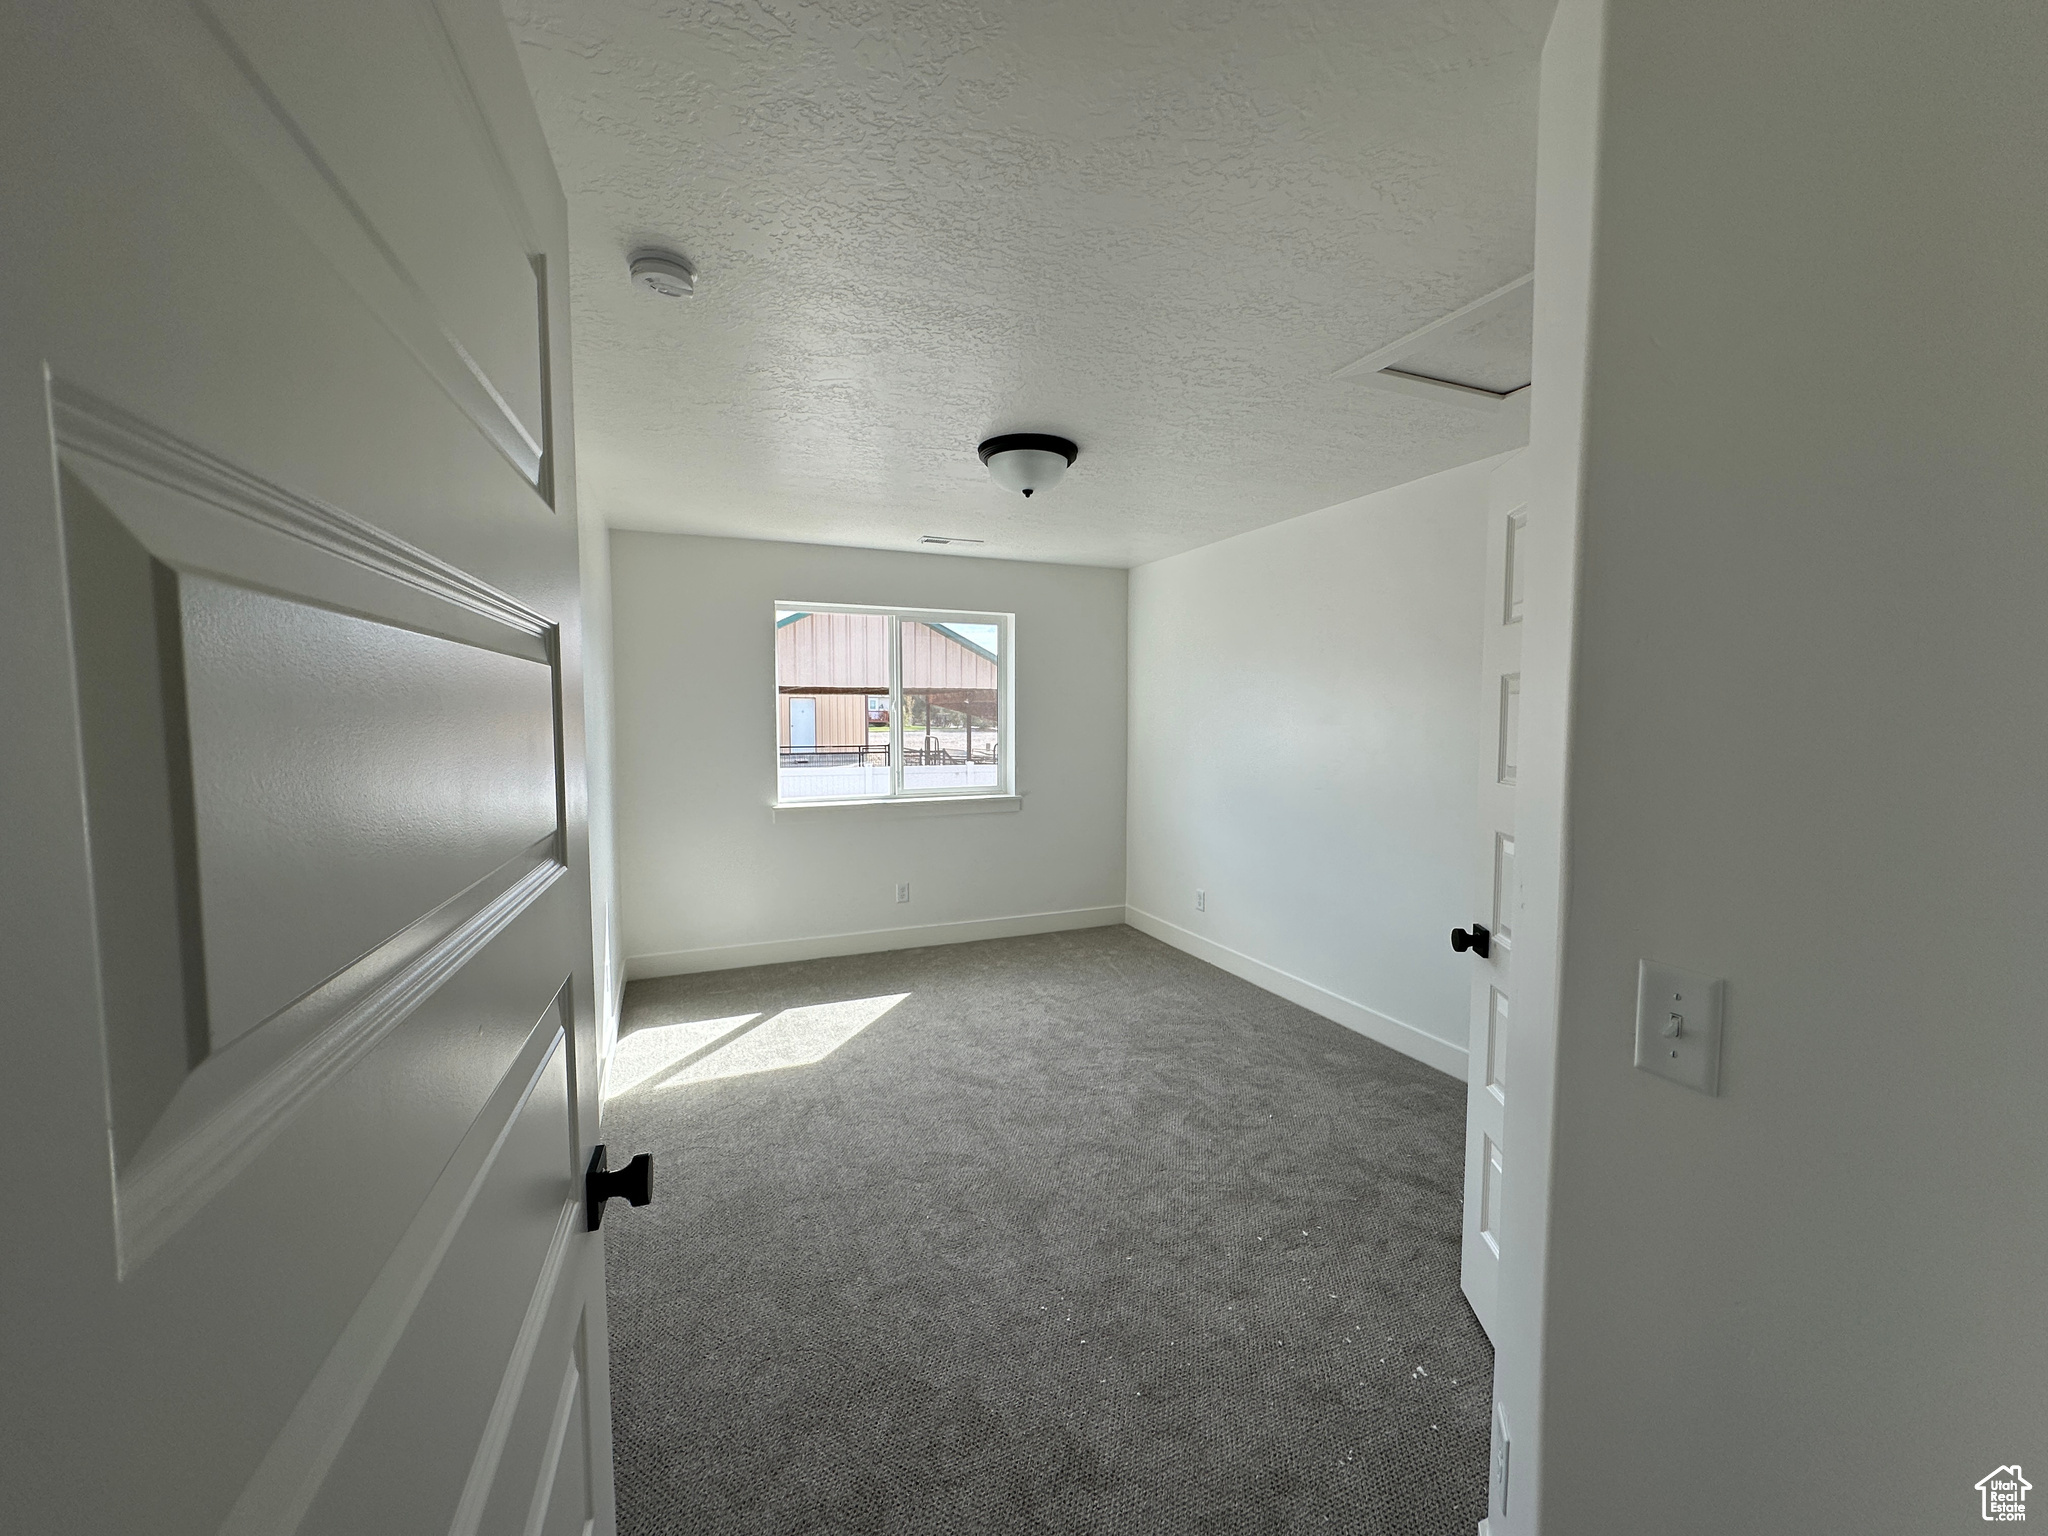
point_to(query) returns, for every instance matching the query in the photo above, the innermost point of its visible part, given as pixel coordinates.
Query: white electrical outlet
(1201, 900)
(903, 891)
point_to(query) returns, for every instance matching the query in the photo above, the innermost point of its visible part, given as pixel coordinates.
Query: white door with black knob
(1487, 943)
(301, 1077)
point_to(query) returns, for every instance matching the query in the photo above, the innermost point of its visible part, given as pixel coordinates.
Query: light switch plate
(1678, 1026)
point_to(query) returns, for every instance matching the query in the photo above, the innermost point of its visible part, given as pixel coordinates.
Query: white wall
(1305, 741)
(1809, 713)
(710, 877)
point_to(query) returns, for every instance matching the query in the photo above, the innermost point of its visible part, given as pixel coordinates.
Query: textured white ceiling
(1154, 226)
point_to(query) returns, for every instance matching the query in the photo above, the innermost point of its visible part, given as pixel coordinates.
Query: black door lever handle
(633, 1183)
(1479, 940)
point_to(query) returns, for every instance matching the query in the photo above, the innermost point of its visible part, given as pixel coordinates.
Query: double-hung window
(891, 703)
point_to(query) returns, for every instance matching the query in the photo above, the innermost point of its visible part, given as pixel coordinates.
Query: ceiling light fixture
(1027, 461)
(663, 272)
(947, 538)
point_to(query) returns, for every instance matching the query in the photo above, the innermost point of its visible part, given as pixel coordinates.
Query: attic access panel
(1478, 356)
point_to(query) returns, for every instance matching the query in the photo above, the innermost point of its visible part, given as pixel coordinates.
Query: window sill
(905, 805)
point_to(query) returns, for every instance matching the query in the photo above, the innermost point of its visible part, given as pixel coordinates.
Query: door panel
(1495, 1077)
(377, 87)
(295, 715)
(338, 1407)
(297, 917)
(433, 1420)
(545, 1463)
(541, 1477)
(1495, 893)
(1502, 908)
(560, 1505)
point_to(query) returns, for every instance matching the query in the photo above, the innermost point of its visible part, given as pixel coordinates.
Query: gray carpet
(1083, 1235)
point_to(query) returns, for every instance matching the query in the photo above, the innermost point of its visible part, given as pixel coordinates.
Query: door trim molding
(96, 429)
(165, 1189)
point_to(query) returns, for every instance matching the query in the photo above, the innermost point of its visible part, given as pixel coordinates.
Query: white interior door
(1494, 891)
(300, 1080)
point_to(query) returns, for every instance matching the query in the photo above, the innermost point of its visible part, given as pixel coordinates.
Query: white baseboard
(1370, 1022)
(687, 962)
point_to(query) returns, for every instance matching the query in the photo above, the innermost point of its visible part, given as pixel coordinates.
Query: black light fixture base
(1065, 447)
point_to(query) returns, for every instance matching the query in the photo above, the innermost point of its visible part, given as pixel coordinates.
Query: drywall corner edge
(1416, 1044)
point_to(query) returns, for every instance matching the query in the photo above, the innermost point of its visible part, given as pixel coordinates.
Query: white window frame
(1004, 787)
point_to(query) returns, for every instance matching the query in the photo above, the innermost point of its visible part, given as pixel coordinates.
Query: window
(876, 703)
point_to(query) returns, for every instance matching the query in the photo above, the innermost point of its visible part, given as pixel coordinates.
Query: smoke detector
(663, 272)
(1027, 461)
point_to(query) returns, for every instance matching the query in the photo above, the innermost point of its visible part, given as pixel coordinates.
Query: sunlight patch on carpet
(795, 1037)
(648, 1052)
